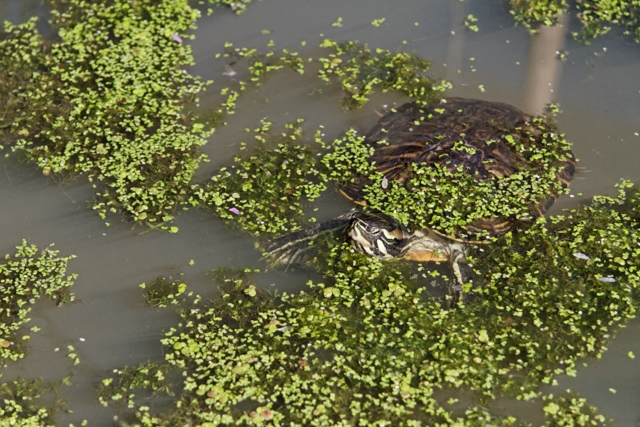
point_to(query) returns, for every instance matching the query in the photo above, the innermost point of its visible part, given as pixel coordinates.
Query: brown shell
(422, 134)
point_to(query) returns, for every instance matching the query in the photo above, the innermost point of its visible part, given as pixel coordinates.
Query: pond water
(597, 88)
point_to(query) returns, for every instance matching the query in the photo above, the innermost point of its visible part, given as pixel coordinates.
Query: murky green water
(597, 88)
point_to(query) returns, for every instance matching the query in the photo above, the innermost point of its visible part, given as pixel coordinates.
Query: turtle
(478, 137)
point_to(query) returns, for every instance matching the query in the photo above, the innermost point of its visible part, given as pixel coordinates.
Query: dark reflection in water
(598, 92)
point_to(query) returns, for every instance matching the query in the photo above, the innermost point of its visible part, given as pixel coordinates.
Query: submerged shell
(433, 135)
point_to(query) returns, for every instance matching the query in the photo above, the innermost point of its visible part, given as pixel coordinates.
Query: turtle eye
(371, 238)
(372, 228)
(367, 227)
(364, 234)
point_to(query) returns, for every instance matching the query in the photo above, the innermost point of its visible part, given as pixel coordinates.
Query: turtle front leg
(457, 256)
(427, 246)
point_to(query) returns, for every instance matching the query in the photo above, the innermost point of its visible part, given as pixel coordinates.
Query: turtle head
(377, 234)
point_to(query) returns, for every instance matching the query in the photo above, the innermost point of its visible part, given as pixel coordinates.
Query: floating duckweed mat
(559, 289)
(366, 346)
(597, 16)
(25, 277)
(259, 65)
(531, 13)
(572, 410)
(106, 101)
(148, 376)
(452, 202)
(18, 407)
(360, 70)
(265, 192)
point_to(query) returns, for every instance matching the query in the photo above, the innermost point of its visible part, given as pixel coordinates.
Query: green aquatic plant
(148, 376)
(552, 294)
(265, 192)
(260, 65)
(470, 23)
(572, 410)
(25, 277)
(367, 345)
(531, 13)
(162, 292)
(596, 16)
(360, 70)
(19, 405)
(106, 100)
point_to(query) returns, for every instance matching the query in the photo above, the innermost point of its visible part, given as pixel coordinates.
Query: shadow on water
(596, 88)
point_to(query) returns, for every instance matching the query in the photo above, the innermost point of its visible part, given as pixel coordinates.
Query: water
(598, 92)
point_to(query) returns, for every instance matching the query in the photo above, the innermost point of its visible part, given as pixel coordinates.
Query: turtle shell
(459, 132)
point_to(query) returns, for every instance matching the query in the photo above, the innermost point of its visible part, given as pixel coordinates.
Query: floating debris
(229, 71)
(580, 255)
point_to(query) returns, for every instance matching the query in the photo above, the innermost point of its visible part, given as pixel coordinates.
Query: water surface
(597, 88)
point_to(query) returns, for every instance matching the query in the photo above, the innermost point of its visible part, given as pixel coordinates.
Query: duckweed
(148, 376)
(162, 292)
(18, 405)
(531, 13)
(360, 70)
(259, 65)
(470, 23)
(265, 192)
(367, 346)
(106, 101)
(26, 277)
(570, 411)
(597, 16)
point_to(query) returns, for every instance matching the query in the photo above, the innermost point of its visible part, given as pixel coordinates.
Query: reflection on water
(456, 40)
(543, 74)
(599, 98)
